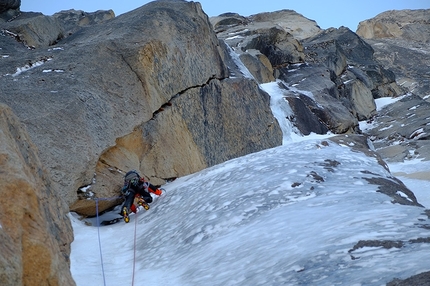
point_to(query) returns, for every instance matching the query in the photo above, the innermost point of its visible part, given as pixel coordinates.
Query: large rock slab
(312, 87)
(35, 230)
(91, 91)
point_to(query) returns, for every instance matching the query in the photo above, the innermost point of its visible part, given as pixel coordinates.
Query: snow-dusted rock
(334, 67)
(401, 39)
(401, 130)
(35, 31)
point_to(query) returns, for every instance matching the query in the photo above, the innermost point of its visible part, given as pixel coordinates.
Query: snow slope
(290, 215)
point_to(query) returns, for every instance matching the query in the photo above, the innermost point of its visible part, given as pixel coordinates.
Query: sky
(329, 13)
(275, 223)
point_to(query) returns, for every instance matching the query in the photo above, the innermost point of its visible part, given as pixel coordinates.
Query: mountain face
(335, 65)
(149, 91)
(167, 91)
(401, 40)
(401, 43)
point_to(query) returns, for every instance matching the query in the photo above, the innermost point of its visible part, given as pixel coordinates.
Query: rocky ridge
(328, 75)
(401, 43)
(400, 40)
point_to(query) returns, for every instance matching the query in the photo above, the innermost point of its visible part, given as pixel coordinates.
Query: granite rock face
(401, 43)
(167, 91)
(35, 230)
(107, 98)
(400, 40)
(398, 24)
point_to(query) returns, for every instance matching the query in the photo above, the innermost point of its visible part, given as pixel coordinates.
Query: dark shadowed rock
(312, 84)
(422, 279)
(6, 5)
(304, 118)
(340, 49)
(341, 41)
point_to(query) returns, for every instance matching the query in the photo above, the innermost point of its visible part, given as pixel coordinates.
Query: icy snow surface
(290, 215)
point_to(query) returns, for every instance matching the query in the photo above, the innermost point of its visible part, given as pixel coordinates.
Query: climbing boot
(125, 214)
(141, 202)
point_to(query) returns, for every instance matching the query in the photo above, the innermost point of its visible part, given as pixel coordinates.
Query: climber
(135, 187)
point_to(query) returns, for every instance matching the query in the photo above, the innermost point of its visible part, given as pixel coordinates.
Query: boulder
(258, 65)
(34, 227)
(340, 49)
(35, 32)
(277, 45)
(73, 20)
(411, 25)
(312, 84)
